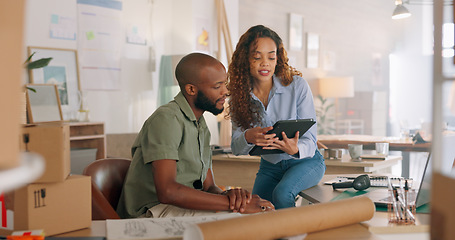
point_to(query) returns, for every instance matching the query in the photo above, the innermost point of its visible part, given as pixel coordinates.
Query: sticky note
(90, 35)
(54, 19)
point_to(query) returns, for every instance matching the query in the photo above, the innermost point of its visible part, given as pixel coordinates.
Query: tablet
(290, 127)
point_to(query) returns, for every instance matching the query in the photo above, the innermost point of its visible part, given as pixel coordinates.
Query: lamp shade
(336, 87)
(400, 12)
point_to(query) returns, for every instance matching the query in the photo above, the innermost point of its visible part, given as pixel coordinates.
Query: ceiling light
(400, 12)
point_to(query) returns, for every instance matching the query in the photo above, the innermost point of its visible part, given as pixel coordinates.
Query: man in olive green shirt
(171, 171)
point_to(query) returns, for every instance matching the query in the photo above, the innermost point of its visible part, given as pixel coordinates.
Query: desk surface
(354, 231)
(344, 161)
(233, 158)
(320, 193)
(379, 223)
(334, 166)
(395, 144)
(347, 161)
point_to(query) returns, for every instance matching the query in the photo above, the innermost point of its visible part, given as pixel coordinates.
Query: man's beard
(202, 102)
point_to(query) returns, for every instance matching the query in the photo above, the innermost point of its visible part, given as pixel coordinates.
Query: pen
(406, 188)
(394, 203)
(408, 212)
(401, 193)
(404, 205)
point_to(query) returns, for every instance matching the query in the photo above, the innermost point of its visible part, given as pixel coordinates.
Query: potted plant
(325, 122)
(40, 63)
(29, 65)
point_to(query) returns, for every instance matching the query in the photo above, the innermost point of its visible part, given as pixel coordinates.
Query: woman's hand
(238, 199)
(258, 136)
(258, 204)
(288, 145)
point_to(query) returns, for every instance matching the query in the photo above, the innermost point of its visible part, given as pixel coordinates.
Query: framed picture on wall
(295, 32)
(62, 71)
(43, 103)
(312, 51)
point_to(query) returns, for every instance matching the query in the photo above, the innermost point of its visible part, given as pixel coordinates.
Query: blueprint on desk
(156, 228)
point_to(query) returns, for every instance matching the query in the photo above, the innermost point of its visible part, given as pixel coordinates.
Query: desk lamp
(336, 87)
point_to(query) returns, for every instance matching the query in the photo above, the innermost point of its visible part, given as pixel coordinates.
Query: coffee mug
(382, 148)
(355, 150)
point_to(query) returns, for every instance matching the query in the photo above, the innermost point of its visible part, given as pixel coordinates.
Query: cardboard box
(12, 77)
(54, 207)
(52, 141)
(442, 207)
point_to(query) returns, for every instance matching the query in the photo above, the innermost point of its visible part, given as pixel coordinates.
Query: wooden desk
(349, 232)
(319, 193)
(346, 165)
(240, 171)
(368, 142)
(378, 224)
(98, 229)
(236, 171)
(354, 231)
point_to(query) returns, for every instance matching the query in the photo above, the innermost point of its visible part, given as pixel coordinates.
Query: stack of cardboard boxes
(57, 202)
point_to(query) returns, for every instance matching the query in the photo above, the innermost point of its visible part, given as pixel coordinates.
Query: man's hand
(238, 199)
(258, 204)
(258, 136)
(287, 145)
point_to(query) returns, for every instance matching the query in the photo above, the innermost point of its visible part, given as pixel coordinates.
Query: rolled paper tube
(286, 222)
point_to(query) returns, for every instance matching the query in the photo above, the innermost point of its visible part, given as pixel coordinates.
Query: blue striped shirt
(294, 101)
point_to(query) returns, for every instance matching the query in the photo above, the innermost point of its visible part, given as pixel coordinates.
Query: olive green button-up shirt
(171, 132)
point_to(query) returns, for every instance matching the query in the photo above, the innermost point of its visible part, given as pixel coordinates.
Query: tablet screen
(290, 127)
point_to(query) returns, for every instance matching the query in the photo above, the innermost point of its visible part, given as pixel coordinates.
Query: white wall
(170, 30)
(123, 110)
(411, 71)
(352, 30)
(359, 35)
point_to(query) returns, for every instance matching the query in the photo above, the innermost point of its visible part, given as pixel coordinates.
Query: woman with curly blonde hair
(264, 89)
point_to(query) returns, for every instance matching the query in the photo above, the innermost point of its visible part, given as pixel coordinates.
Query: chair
(108, 176)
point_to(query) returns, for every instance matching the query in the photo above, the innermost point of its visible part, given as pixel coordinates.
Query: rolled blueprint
(286, 222)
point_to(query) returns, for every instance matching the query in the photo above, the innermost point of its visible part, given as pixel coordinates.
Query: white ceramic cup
(355, 150)
(382, 149)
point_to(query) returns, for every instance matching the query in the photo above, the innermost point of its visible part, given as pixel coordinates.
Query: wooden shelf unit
(88, 135)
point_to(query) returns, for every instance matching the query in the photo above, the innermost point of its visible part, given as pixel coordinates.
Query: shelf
(30, 169)
(88, 135)
(86, 128)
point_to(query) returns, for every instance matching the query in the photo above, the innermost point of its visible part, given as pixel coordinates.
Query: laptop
(381, 197)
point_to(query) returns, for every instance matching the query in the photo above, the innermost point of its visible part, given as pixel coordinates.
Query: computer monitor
(424, 190)
(424, 193)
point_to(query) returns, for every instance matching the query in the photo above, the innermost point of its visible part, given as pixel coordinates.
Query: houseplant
(29, 65)
(40, 63)
(325, 121)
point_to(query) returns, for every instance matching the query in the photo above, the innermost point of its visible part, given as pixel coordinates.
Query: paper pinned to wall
(100, 39)
(62, 27)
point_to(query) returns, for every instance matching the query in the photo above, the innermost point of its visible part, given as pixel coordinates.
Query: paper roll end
(193, 232)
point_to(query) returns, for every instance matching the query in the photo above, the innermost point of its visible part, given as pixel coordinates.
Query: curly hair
(242, 109)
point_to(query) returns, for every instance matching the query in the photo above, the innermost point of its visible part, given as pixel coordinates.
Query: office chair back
(108, 176)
